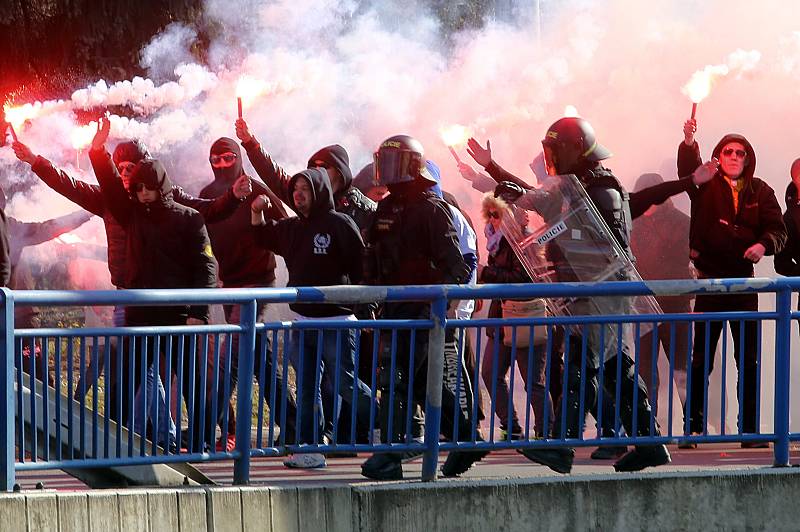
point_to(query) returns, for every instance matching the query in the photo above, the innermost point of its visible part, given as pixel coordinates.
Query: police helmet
(400, 159)
(571, 140)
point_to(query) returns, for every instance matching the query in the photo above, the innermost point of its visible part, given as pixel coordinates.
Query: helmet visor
(550, 160)
(396, 166)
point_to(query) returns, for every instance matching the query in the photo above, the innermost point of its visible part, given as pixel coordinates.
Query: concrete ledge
(730, 500)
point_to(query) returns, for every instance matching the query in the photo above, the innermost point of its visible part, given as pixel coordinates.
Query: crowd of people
(393, 224)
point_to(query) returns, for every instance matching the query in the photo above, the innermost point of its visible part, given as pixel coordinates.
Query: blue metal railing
(55, 420)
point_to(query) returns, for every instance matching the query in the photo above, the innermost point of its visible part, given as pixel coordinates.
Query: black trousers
(630, 385)
(745, 353)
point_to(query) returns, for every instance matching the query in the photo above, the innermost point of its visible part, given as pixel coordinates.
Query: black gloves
(508, 191)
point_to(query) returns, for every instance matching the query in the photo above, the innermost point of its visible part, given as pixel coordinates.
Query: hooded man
(321, 247)
(787, 261)
(167, 246)
(244, 264)
(333, 159)
(735, 221)
(126, 156)
(669, 228)
(348, 200)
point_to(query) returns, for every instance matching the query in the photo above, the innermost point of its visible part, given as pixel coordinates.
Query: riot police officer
(570, 147)
(411, 242)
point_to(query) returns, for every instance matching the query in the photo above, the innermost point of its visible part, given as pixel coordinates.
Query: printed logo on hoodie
(321, 243)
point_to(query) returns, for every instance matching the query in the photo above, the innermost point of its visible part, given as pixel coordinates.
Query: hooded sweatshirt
(167, 245)
(787, 261)
(241, 261)
(719, 234)
(322, 249)
(91, 198)
(349, 200)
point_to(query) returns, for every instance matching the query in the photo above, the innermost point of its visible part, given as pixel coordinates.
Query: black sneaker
(755, 445)
(643, 456)
(459, 462)
(383, 466)
(516, 434)
(608, 452)
(559, 459)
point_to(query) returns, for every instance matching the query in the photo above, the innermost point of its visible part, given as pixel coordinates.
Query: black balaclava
(233, 172)
(132, 151)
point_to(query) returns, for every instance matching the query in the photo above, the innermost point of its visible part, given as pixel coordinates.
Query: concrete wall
(741, 500)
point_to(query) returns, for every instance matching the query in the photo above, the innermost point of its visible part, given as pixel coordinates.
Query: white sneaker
(306, 461)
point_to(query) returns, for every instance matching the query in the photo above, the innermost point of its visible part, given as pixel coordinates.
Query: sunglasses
(493, 214)
(727, 152)
(139, 187)
(227, 158)
(126, 167)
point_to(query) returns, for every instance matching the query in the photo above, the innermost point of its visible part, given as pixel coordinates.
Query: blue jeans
(166, 430)
(316, 355)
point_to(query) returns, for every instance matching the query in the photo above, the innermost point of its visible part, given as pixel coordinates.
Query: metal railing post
(783, 328)
(244, 404)
(7, 389)
(433, 394)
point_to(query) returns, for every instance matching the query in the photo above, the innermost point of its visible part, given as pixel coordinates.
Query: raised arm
(87, 196)
(37, 232)
(483, 156)
(116, 197)
(273, 175)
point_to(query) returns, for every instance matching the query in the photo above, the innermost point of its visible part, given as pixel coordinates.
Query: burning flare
(249, 88)
(571, 111)
(16, 116)
(738, 62)
(82, 136)
(455, 135)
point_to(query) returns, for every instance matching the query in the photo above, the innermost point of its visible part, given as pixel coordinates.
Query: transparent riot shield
(559, 236)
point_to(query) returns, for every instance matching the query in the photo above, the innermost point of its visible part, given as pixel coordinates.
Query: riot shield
(559, 236)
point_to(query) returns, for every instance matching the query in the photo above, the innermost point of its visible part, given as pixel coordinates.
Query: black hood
(233, 172)
(750, 167)
(791, 194)
(320, 187)
(335, 156)
(132, 151)
(365, 178)
(151, 172)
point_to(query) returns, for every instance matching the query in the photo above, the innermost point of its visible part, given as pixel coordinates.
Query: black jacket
(660, 243)
(718, 236)
(413, 240)
(242, 262)
(5, 252)
(787, 261)
(323, 249)
(167, 245)
(91, 198)
(349, 200)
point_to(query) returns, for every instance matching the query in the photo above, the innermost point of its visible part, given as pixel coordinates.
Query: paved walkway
(498, 465)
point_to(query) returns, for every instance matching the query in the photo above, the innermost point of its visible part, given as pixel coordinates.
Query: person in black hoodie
(321, 247)
(167, 247)
(244, 264)
(126, 156)
(787, 261)
(334, 159)
(735, 221)
(348, 200)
